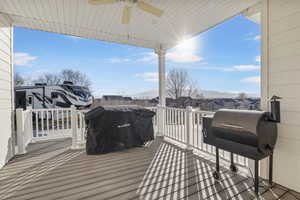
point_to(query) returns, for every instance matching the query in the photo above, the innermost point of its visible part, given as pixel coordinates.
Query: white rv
(52, 96)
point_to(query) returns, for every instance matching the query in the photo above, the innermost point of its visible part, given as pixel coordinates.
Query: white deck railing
(183, 126)
(45, 124)
(51, 123)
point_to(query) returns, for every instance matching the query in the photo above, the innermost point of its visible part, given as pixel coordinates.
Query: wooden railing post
(20, 131)
(189, 126)
(74, 125)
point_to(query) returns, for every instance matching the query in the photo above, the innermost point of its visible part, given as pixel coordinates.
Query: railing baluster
(172, 127)
(176, 124)
(42, 123)
(52, 120)
(62, 119)
(47, 122)
(167, 119)
(183, 126)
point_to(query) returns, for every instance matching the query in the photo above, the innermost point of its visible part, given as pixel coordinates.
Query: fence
(51, 123)
(180, 125)
(185, 126)
(45, 124)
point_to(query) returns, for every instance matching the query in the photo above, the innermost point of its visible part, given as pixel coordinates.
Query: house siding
(6, 107)
(281, 75)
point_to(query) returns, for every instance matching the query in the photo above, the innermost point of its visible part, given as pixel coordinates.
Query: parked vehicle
(52, 96)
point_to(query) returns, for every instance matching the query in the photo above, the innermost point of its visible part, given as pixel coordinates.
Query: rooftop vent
(40, 84)
(68, 83)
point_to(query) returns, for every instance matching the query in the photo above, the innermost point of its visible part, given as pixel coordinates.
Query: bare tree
(49, 79)
(179, 83)
(192, 89)
(18, 79)
(76, 77)
(242, 95)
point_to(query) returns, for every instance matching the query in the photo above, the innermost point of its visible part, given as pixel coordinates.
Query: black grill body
(251, 134)
(247, 133)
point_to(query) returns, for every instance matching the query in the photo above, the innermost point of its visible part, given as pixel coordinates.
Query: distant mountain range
(209, 94)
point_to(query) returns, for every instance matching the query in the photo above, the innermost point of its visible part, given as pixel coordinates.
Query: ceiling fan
(127, 9)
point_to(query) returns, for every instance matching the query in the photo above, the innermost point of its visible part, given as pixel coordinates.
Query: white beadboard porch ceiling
(182, 19)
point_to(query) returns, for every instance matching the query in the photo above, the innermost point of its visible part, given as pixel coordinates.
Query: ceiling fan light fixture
(126, 15)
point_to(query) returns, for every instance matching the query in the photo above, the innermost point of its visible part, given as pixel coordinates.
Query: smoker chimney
(275, 109)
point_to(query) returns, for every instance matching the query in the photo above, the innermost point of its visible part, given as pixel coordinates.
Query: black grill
(251, 134)
(115, 128)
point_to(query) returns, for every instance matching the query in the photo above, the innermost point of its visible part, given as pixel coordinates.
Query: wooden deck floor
(158, 171)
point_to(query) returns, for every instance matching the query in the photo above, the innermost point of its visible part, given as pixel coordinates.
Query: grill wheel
(216, 175)
(233, 168)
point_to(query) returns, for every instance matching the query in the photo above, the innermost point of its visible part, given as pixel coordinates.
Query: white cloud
(258, 59)
(147, 57)
(74, 38)
(23, 59)
(257, 37)
(119, 60)
(183, 57)
(243, 68)
(175, 56)
(251, 36)
(252, 79)
(148, 76)
(185, 52)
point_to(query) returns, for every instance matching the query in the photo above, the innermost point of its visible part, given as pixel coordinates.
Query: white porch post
(162, 89)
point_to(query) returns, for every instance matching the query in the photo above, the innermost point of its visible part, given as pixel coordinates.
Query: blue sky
(225, 58)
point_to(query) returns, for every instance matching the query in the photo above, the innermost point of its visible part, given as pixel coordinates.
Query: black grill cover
(114, 128)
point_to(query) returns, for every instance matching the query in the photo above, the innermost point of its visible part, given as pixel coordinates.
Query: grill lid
(238, 120)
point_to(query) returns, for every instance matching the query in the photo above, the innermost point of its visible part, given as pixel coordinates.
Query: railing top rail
(52, 109)
(204, 112)
(172, 108)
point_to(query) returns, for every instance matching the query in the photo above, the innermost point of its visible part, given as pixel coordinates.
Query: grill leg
(256, 179)
(233, 168)
(216, 174)
(271, 169)
(217, 160)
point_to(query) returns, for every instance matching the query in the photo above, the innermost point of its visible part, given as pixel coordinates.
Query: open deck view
(112, 126)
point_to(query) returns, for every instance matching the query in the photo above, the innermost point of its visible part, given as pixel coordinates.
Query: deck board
(160, 170)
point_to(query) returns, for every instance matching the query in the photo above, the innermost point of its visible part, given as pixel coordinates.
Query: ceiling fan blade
(126, 15)
(102, 2)
(150, 9)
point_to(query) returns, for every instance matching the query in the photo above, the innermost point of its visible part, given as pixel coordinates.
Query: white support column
(263, 167)
(74, 121)
(162, 75)
(162, 89)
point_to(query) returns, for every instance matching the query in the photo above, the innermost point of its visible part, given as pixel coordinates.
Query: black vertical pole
(271, 169)
(44, 98)
(217, 160)
(256, 179)
(231, 158)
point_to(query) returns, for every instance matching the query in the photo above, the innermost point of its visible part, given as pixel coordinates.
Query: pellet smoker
(251, 134)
